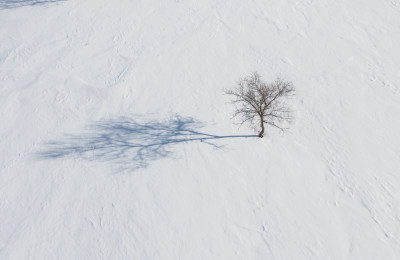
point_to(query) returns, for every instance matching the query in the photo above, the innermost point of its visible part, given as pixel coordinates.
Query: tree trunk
(261, 133)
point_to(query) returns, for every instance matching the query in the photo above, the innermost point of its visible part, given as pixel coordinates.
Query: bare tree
(262, 103)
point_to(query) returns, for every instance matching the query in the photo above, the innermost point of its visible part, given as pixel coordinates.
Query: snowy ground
(103, 103)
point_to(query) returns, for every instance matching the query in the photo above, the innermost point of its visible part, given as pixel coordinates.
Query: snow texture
(116, 140)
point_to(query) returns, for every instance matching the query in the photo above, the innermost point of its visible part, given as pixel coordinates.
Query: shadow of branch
(10, 4)
(130, 144)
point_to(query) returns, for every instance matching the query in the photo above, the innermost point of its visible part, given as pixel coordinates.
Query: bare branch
(260, 103)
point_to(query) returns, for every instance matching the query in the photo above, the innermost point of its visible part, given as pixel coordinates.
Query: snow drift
(116, 140)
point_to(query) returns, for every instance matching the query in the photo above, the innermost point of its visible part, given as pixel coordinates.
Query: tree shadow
(129, 144)
(10, 4)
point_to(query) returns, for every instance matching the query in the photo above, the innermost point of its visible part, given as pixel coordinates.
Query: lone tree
(262, 103)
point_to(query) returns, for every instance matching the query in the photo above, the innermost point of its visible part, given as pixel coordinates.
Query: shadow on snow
(130, 144)
(10, 4)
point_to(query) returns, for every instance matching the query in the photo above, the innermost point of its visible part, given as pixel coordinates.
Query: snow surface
(116, 140)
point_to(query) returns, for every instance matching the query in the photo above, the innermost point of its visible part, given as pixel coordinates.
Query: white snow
(103, 103)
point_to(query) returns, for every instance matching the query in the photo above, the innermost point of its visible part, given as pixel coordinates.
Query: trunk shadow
(131, 144)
